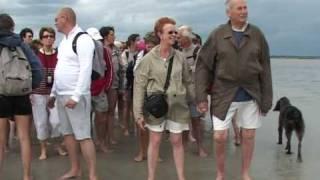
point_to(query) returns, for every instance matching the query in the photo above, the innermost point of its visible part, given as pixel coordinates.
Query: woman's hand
(141, 123)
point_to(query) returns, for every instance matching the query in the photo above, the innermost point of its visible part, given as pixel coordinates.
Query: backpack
(98, 62)
(16, 74)
(129, 72)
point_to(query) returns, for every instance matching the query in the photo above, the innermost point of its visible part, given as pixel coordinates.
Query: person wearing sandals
(150, 79)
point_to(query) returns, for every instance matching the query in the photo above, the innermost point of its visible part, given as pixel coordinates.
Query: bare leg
(178, 154)
(112, 98)
(3, 140)
(23, 128)
(143, 145)
(43, 150)
(248, 140)
(60, 149)
(197, 133)
(125, 113)
(101, 125)
(89, 154)
(7, 148)
(73, 151)
(220, 139)
(153, 153)
(236, 131)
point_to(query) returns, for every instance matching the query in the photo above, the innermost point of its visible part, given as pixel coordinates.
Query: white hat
(94, 33)
(117, 44)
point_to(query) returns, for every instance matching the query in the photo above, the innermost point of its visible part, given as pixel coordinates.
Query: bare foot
(203, 153)
(139, 158)
(113, 142)
(70, 175)
(93, 178)
(6, 149)
(126, 132)
(191, 138)
(61, 151)
(219, 178)
(43, 156)
(246, 177)
(105, 149)
(27, 178)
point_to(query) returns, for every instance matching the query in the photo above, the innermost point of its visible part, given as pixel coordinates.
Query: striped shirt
(49, 62)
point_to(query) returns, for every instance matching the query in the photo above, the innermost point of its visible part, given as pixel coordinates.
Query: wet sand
(298, 80)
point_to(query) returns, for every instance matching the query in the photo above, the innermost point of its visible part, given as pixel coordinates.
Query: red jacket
(104, 83)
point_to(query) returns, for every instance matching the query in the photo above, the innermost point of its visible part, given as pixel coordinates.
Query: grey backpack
(16, 74)
(98, 62)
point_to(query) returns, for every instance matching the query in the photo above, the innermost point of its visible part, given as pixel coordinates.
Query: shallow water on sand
(299, 80)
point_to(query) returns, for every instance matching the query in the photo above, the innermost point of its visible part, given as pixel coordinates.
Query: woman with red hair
(150, 78)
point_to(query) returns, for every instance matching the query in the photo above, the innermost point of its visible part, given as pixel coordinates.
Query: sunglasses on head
(173, 32)
(47, 36)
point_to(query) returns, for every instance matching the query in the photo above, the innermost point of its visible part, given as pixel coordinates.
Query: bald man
(236, 60)
(71, 90)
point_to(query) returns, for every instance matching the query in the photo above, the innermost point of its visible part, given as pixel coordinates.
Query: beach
(299, 80)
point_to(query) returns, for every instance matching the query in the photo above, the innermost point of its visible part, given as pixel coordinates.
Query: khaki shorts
(169, 125)
(247, 116)
(100, 102)
(75, 121)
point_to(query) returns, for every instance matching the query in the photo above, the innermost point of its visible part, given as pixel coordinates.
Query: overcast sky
(292, 27)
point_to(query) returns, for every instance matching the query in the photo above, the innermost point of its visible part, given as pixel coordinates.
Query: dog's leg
(299, 135)
(288, 147)
(280, 129)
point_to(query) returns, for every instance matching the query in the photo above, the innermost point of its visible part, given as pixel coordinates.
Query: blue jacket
(10, 39)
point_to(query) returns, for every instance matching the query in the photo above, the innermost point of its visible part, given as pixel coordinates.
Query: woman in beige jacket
(150, 77)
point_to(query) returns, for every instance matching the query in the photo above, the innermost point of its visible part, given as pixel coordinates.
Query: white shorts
(75, 121)
(45, 120)
(247, 116)
(169, 125)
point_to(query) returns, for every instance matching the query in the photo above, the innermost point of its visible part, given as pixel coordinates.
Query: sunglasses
(47, 36)
(173, 32)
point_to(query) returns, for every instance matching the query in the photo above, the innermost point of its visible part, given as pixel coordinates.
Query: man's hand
(141, 123)
(202, 107)
(51, 102)
(71, 104)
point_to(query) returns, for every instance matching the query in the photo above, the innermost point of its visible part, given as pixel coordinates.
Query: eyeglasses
(48, 36)
(173, 32)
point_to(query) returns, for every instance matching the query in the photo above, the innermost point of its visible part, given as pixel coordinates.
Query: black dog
(290, 119)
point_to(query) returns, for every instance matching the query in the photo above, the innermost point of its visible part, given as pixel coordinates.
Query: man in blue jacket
(17, 107)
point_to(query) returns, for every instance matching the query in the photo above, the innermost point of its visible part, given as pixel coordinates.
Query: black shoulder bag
(156, 104)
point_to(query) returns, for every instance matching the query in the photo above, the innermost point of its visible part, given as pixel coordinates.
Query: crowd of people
(232, 66)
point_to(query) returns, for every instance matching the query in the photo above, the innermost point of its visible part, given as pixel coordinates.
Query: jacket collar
(228, 34)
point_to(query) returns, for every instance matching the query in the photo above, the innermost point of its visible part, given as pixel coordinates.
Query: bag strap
(1, 47)
(167, 83)
(74, 41)
(195, 52)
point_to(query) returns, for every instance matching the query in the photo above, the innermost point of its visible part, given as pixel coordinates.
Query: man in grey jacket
(235, 64)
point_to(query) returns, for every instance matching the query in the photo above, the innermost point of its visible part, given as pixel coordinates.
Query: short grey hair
(228, 4)
(186, 31)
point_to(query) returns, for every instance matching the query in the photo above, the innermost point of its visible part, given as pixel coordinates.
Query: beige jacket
(150, 77)
(228, 67)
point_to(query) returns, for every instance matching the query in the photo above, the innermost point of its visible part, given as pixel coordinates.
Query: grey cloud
(290, 25)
